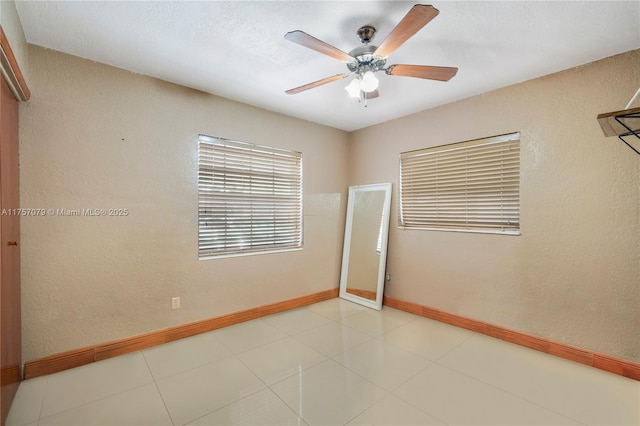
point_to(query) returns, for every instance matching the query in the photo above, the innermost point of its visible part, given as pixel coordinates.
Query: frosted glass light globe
(353, 88)
(369, 82)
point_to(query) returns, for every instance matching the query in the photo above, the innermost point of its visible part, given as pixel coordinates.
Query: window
(249, 198)
(468, 186)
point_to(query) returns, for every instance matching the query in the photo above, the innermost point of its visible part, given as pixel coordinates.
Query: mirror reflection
(364, 255)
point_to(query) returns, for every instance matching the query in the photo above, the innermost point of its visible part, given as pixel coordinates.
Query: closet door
(10, 338)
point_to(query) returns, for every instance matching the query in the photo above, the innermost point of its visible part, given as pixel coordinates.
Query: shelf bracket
(623, 124)
(629, 132)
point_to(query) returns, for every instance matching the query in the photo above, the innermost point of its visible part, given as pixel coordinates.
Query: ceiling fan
(366, 60)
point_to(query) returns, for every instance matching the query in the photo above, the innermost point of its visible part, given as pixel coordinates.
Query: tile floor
(331, 363)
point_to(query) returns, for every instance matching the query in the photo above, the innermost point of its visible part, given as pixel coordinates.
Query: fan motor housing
(365, 59)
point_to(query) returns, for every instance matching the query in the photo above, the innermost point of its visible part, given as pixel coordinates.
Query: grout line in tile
(346, 350)
(251, 371)
(44, 395)
(361, 376)
(213, 333)
(338, 322)
(351, 349)
(266, 386)
(509, 392)
(232, 355)
(259, 346)
(155, 383)
(416, 406)
(304, 331)
(131, 354)
(227, 405)
(365, 409)
(262, 345)
(96, 400)
(188, 369)
(287, 405)
(465, 340)
(355, 311)
(386, 392)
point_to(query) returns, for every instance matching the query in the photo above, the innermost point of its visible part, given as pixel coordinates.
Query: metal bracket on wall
(623, 124)
(636, 133)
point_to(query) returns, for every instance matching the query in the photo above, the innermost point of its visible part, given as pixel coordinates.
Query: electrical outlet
(388, 276)
(175, 303)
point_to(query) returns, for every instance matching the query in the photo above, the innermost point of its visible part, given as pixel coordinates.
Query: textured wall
(574, 273)
(94, 136)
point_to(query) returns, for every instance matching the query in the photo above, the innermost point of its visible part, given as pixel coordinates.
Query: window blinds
(249, 198)
(468, 186)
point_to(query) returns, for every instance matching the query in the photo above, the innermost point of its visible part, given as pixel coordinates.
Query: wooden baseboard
(77, 357)
(608, 363)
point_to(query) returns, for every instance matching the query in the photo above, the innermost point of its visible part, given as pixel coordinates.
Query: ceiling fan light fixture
(369, 82)
(365, 60)
(353, 88)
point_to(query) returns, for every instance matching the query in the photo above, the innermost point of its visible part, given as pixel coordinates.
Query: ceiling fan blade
(304, 39)
(299, 89)
(423, 71)
(418, 17)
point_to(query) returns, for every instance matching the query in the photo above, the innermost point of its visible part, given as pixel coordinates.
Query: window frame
(510, 141)
(242, 156)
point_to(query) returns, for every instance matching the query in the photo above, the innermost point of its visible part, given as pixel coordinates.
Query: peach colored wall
(574, 273)
(98, 137)
(94, 136)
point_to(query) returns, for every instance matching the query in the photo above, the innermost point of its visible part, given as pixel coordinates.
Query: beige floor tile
(457, 399)
(275, 361)
(584, 393)
(27, 402)
(333, 339)
(388, 367)
(202, 390)
(261, 408)
(376, 323)
(392, 411)
(428, 338)
(328, 394)
(297, 320)
(382, 363)
(248, 335)
(81, 385)
(337, 309)
(184, 354)
(141, 406)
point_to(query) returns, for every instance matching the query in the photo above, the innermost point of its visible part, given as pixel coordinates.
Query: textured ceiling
(236, 49)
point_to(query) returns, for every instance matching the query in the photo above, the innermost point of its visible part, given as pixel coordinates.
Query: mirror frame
(386, 210)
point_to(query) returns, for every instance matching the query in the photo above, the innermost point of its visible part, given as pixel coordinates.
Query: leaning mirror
(364, 256)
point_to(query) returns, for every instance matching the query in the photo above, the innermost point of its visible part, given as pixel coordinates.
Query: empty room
(320, 213)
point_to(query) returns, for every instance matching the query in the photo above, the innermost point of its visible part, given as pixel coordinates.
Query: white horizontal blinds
(249, 198)
(472, 186)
